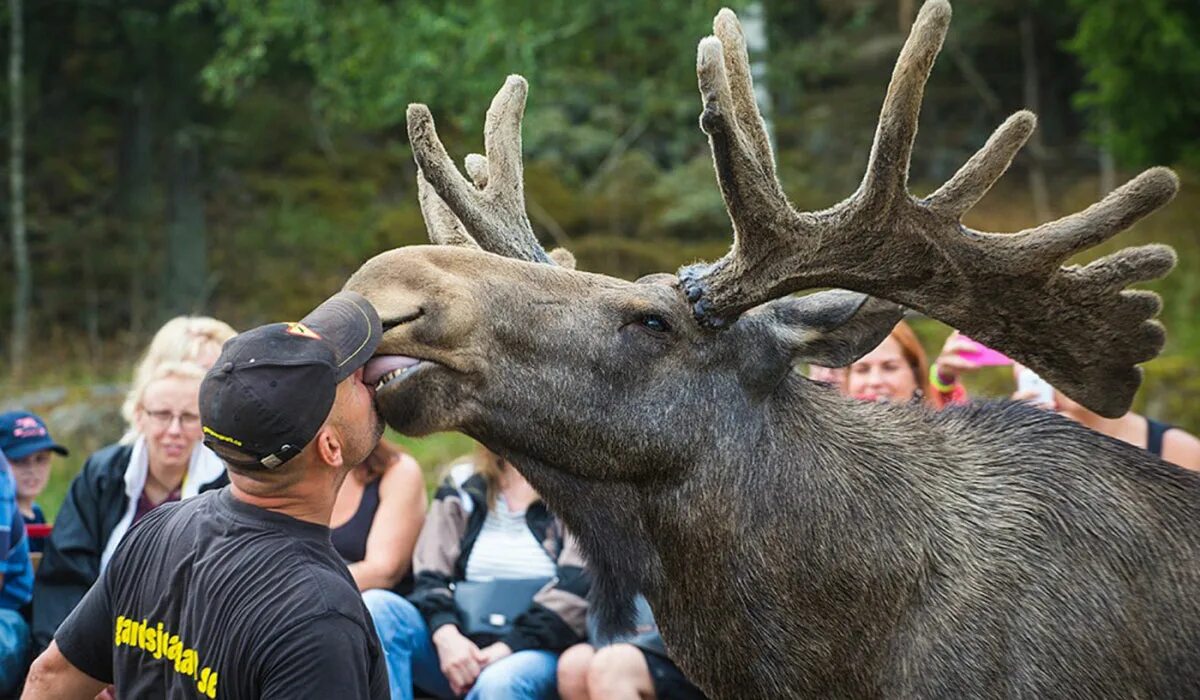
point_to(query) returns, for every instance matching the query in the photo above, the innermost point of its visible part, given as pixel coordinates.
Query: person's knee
(572, 672)
(616, 670)
(523, 675)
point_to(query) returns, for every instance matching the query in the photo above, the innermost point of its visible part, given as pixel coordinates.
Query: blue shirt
(39, 518)
(14, 546)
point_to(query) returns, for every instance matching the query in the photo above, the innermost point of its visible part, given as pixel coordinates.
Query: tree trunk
(1108, 164)
(1037, 147)
(136, 201)
(906, 13)
(22, 274)
(187, 252)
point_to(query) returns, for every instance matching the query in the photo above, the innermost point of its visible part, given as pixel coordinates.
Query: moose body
(793, 542)
(992, 551)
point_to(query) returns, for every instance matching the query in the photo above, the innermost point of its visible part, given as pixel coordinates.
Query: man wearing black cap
(238, 593)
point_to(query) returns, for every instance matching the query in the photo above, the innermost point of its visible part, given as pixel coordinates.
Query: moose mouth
(383, 370)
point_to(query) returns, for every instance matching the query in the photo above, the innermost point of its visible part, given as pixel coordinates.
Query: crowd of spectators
(482, 593)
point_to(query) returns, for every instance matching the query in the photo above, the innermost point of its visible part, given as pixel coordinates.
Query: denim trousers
(412, 659)
(14, 649)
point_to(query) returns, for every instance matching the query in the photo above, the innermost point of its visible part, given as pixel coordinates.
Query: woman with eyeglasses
(121, 483)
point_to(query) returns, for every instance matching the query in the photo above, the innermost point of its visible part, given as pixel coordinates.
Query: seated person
(486, 526)
(29, 448)
(1172, 444)
(16, 585)
(634, 666)
(118, 485)
(194, 339)
(897, 371)
(377, 518)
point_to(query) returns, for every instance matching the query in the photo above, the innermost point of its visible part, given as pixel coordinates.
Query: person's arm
(435, 557)
(53, 677)
(1182, 448)
(395, 527)
(946, 370)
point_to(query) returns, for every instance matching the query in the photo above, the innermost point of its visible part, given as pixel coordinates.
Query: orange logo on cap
(302, 330)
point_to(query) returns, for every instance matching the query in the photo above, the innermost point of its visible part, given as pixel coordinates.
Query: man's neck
(305, 500)
(25, 505)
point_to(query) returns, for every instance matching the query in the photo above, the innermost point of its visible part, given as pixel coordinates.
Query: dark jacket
(555, 619)
(95, 503)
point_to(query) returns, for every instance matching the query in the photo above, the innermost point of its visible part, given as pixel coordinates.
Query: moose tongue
(382, 364)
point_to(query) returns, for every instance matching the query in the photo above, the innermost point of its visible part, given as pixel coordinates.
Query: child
(29, 448)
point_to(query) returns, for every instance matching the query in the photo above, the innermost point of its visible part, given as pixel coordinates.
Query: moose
(792, 542)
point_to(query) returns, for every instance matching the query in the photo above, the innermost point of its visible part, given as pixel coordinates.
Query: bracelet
(935, 380)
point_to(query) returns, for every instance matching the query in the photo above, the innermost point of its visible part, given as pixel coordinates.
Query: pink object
(982, 355)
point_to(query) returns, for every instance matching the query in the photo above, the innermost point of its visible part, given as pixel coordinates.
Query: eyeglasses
(164, 419)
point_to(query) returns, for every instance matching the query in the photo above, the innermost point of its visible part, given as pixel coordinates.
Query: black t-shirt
(212, 597)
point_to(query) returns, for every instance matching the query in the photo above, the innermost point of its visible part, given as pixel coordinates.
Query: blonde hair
(167, 370)
(485, 463)
(182, 340)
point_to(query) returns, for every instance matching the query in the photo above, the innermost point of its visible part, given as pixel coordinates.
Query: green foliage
(306, 171)
(1143, 77)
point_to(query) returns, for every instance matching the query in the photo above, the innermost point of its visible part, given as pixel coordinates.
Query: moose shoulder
(793, 542)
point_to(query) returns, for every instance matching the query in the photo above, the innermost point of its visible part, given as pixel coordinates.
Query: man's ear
(832, 328)
(328, 445)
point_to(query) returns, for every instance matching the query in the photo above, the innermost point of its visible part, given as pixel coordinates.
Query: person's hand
(1031, 396)
(950, 364)
(459, 658)
(494, 652)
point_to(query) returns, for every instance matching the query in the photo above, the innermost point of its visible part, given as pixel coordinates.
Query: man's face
(356, 419)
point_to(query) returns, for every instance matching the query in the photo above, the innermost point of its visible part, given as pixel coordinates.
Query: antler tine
(1076, 326)
(976, 177)
(887, 168)
(1056, 241)
(443, 226)
(741, 90)
(492, 212)
(745, 168)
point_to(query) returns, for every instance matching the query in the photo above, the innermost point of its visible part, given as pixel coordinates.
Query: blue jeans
(412, 659)
(14, 649)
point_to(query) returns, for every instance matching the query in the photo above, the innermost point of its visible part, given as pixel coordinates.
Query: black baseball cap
(273, 387)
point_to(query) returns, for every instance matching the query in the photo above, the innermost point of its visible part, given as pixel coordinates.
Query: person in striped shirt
(486, 526)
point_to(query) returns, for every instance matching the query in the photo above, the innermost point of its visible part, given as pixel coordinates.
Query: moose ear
(832, 328)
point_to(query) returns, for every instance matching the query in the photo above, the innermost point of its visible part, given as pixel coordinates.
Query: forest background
(240, 158)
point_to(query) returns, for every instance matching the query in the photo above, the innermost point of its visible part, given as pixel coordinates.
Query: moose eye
(658, 324)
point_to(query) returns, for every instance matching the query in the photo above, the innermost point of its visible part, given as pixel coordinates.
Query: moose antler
(489, 214)
(1076, 326)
